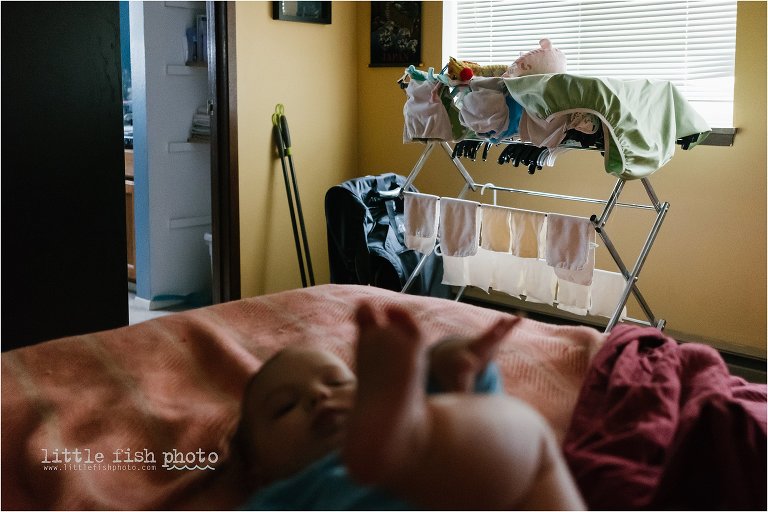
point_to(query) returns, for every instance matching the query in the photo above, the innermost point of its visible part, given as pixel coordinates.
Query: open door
(63, 209)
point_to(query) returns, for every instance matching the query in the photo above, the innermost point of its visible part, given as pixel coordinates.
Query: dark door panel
(63, 198)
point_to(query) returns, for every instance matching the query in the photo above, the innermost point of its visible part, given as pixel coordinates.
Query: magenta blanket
(662, 425)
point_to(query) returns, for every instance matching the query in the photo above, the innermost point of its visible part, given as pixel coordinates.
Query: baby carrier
(366, 238)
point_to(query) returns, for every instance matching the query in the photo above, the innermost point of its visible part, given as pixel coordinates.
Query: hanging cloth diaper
(584, 275)
(607, 288)
(527, 227)
(509, 275)
(540, 281)
(476, 270)
(424, 112)
(496, 228)
(568, 241)
(455, 272)
(421, 218)
(459, 227)
(489, 110)
(480, 268)
(571, 297)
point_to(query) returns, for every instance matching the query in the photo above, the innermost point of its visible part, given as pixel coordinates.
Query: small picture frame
(304, 11)
(395, 34)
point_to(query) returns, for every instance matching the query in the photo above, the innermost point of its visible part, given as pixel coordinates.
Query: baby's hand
(454, 363)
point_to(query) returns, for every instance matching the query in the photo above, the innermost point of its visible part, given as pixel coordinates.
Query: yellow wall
(706, 275)
(310, 68)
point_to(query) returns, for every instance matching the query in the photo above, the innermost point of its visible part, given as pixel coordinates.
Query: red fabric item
(662, 425)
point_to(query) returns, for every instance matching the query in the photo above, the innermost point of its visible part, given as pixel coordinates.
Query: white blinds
(690, 43)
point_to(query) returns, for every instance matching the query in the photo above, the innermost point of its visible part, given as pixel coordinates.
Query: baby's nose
(317, 395)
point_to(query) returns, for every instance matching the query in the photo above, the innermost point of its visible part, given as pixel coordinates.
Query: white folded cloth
(509, 274)
(459, 227)
(474, 270)
(480, 268)
(421, 212)
(540, 281)
(574, 298)
(607, 288)
(455, 272)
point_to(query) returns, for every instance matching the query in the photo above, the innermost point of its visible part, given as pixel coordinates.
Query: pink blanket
(141, 417)
(665, 426)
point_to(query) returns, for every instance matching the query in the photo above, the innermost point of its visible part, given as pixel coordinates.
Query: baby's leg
(450, 451)
(388, 422)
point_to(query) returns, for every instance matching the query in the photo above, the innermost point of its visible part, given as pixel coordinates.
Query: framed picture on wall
(307, 12)
(395, 34)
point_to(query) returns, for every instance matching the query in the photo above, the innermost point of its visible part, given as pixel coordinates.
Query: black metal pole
(286, 137)
(281, 151)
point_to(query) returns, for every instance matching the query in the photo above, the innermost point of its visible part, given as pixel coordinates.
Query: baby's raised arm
(451, 451)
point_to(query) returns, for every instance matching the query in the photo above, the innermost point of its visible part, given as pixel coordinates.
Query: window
(690, 43)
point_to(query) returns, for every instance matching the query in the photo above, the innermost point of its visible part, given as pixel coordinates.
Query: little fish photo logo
(126, 459)
(198, 460)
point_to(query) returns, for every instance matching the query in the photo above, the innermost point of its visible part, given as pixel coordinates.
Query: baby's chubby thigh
(501, 446)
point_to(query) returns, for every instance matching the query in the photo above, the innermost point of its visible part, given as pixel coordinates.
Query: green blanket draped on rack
(642, 119)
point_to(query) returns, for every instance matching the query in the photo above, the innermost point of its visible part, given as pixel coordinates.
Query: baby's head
(295, 411)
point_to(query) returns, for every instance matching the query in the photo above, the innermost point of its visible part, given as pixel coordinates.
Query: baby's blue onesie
(326, 485)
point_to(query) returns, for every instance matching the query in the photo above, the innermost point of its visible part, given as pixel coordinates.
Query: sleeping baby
(316, 436)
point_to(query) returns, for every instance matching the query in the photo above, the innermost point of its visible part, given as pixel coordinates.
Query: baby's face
(296, 410)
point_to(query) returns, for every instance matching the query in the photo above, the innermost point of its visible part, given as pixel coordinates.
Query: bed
(141, 417)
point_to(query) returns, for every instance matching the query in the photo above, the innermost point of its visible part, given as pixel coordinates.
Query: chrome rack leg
(651, 194)
(625, 272)
(419, 164)
(632, 277)
(609, 206)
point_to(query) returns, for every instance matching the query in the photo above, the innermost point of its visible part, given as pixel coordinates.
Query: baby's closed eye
(281, 404)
